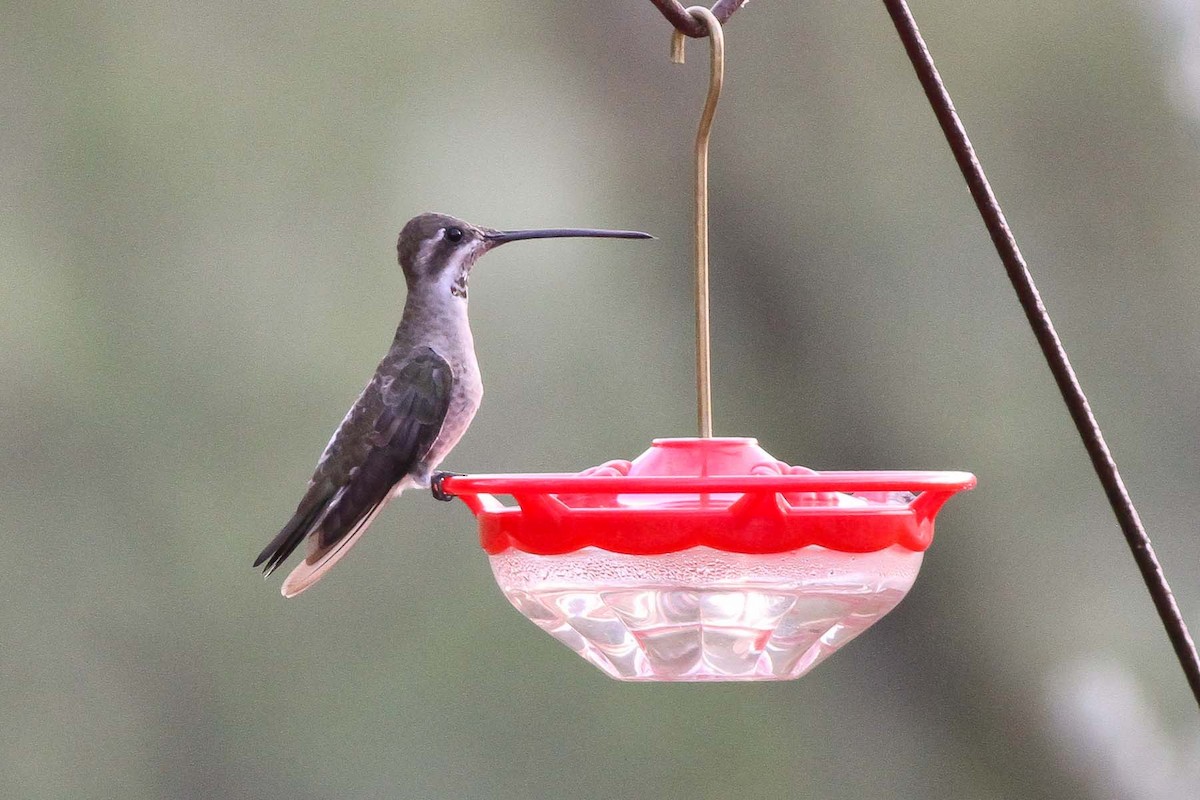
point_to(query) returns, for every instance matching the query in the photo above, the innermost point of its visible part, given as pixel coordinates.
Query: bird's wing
(391, 428)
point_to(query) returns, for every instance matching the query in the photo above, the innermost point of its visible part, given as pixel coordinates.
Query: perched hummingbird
(414, 410)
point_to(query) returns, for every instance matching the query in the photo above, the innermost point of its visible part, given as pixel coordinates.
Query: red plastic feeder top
(706, 559)
(724, 493)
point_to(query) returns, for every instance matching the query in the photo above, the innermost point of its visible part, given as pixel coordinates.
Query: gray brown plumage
(417, 406)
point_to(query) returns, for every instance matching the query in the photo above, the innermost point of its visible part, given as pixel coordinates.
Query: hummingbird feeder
(705, 559)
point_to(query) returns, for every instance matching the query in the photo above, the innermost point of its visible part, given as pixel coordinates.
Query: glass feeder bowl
(706, 559)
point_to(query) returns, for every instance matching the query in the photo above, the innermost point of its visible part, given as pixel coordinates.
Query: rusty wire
(1047, 338)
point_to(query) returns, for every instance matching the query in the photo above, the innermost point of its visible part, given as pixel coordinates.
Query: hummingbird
(416, 407)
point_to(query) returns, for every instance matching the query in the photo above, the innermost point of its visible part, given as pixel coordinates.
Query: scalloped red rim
(755, 514)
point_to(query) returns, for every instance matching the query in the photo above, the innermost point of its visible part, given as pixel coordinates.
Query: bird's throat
(433, 313)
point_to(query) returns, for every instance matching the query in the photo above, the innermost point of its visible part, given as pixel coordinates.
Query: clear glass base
(703, 614)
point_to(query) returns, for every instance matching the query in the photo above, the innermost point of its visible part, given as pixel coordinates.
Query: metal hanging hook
(716, 78)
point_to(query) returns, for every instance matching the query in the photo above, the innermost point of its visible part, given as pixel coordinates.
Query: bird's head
(438, 251)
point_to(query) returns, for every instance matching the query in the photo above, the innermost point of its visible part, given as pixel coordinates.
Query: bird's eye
(454, 234)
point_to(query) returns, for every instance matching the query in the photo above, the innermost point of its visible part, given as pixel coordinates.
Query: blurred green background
(198, 210)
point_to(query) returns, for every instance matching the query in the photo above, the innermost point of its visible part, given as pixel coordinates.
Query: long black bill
(500, 237)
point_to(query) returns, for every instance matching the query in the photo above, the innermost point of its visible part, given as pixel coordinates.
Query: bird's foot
(435, 485)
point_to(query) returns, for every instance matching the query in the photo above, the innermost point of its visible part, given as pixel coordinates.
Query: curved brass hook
(716, 78)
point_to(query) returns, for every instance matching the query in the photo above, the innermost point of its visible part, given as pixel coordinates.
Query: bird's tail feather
(314, 567)
(287, 540)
